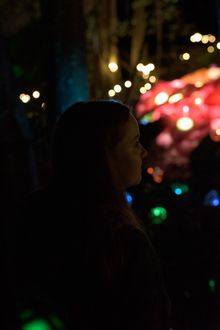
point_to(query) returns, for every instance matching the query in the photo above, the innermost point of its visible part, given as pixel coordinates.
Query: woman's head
(96, 146)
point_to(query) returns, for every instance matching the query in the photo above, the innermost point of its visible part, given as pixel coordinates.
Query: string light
(198, 100)
(210, 49)
(140, 66)
(214, 73)
(128, 83)
(152, 79)
(43, 105)
(196, 37)
(184, 123)
(117, 88)
(36, 94)
(111, 92)
(217, 132)
(143, 90)
(25, 98)
(175, 98)
(161, 98)
(218, 45)
(211, 38)
(198, 84)
(146, 70)
(185, 109)
(147, 86)
(150, 66)
(113, 66)
(185, 56)
(145, 76)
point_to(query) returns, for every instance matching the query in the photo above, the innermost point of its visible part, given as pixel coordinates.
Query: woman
(88, 253)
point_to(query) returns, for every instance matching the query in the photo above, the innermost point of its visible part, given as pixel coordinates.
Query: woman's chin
(135, 182)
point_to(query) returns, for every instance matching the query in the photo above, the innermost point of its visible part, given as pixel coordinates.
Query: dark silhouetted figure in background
(81, 251)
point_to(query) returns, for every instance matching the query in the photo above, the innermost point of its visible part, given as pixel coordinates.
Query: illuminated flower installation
(189, 108)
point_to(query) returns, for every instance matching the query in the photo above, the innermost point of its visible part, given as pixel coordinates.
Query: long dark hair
(81, 156)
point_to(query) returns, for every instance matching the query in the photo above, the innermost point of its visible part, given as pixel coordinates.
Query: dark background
(46, 45)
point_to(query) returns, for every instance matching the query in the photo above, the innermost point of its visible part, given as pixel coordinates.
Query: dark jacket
(89, 280)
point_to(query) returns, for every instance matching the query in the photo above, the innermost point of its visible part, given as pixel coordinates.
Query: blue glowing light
(212, 198)
(215, 202)
(144, 121)
(128, 198)
(178, 191)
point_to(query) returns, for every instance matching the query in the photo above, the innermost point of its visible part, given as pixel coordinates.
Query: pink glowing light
(195, 96)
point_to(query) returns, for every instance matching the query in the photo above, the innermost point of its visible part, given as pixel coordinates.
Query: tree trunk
(66, 55)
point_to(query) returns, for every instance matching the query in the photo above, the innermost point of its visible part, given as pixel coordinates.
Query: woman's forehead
(131, 129)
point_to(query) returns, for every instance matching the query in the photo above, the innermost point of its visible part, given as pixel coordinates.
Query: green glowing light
(37, 324)
(212, 284)
(158, 215)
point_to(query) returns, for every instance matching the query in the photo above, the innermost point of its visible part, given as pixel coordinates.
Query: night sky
(202, 13)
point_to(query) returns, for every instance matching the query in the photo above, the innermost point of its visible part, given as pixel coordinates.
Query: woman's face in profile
(129, 154)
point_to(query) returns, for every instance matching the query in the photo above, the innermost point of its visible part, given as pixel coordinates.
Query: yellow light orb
(196, 37)
(218, 45)
(145, 70)
(198, 100)
(25, 98)
(210, 49)
(184, 124)
(36, 94)
(214, 73)
(150, 67)
(143, 90)
(185, 109)
(140, 66)
(198, 84)
(128, 83)
(215, 135)
(185, 56)
(43, 105)
(111, 92)
(211, 38)
(161, 98)
(152, 79)
(175, 98)
(117, 88)
(113, 67)
(205, 39)
(147, 86)
(145, 76)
